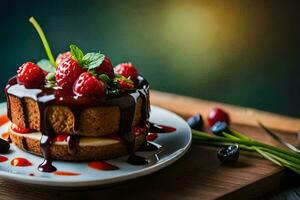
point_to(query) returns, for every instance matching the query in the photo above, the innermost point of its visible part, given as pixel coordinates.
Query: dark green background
(239, 52)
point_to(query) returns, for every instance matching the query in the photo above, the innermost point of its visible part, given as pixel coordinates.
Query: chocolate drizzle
(47, 96)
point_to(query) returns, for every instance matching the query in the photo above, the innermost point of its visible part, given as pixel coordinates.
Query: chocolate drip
(46, 140)
(24, 144)
(48, 96)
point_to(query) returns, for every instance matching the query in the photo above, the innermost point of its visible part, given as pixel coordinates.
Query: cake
(77, 107)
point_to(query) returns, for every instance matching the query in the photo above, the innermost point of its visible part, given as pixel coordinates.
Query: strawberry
(66, 73)
(30, 75)
(127, 70)
(89, 86)
(125, 84)
(106, 68)
(63, 57)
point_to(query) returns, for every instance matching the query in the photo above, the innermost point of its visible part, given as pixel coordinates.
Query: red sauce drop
(101, 165)
(3, 119)
(20, 162)
(5, 135)
(61, 138)
(64, 173)
(3, 159)
(157, 128)
(17, 129)
(151, 136)
(31, 174)
(138, 130)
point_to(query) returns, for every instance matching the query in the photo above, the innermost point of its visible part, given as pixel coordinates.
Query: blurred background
(238, 52)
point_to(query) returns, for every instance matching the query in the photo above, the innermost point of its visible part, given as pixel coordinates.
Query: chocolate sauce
(136, 160)
(48, 96)
(148, 147)
(24, 144)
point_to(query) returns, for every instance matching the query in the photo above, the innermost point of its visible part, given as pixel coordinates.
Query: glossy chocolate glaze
(44, 97)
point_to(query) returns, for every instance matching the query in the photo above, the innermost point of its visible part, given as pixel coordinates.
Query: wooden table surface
(198, 174)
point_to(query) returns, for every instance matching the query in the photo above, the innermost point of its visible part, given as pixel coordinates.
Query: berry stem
(44, 40)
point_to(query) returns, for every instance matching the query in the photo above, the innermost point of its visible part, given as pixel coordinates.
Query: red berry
(63, 57)
(30, 75)
(66, 74)
(127, 70)
(216, 115)
(125, 84)
(89, 86)
(106, 68)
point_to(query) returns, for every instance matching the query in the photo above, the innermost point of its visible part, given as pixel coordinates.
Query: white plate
(174, 145)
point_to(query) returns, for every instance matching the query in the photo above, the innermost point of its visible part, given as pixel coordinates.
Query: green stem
(206, 136)
(44, 40)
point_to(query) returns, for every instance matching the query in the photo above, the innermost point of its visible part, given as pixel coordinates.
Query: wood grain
(198, 175)
(187, 106)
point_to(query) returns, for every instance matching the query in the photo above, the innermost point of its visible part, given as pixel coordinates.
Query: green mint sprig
(88, 61)
(278, 156)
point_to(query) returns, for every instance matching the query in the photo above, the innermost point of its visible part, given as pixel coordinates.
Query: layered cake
(77, 107)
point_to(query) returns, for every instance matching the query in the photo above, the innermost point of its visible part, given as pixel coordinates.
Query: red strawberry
(66, 74)
(89, 86)
(63, 57)
(127, 70)
(106, 68)
(125, 84)
(30, 75)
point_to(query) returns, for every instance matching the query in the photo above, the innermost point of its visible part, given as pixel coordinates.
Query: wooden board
(198, 175)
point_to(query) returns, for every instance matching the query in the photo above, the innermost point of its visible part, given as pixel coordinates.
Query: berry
(30, 75)
(89, 86)
(217, 114)
(106, 68)
(127, 70)
(66, 74)
(63, 57)
(219, 127)
(229, 155)
(125, 84)
(4, 146)
(196, 122)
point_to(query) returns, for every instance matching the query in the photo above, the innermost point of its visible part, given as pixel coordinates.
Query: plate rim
(121, 178)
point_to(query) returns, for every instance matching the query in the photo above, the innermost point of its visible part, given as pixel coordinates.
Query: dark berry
(229, 155)
(4, 146)
(219, 127)
(196, 122)
(30, 75)
(217, 114)
(127, 70)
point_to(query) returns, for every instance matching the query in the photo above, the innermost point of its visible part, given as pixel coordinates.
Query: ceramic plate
(173, 146)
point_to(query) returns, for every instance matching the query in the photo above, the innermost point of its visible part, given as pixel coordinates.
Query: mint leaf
(92, 60)
(46, 65)
(76, 53)
(50, 76)
(104, 78)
